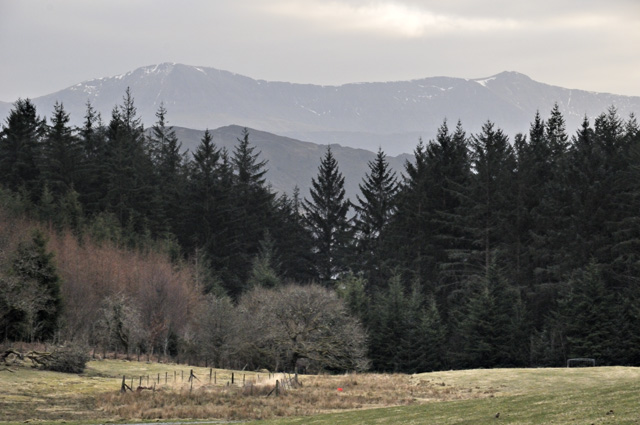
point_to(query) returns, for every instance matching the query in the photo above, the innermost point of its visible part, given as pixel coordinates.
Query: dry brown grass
(318, 394)
(28, 394)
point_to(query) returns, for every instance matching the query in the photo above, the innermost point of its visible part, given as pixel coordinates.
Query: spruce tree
(590, 312)
(21, 150)
(449, 174)
(625, 231)
(326, 217)
(250, 213)
(292, 239)
(491, 200)
(265, 265)
(61, 162)
(409, 232)
(490, 323)
(128, 168)
(34, 264)
(387, 324)
(168, 161)
(373, 213)
(92, 187)
(203, 195)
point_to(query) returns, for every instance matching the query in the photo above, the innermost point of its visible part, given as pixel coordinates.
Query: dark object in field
(69, 359)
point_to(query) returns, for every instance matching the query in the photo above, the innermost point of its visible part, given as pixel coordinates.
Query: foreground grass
(608, 395)
(520, 396)
(28, 394)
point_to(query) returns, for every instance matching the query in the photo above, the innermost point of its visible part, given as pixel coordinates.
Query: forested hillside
(487, 251)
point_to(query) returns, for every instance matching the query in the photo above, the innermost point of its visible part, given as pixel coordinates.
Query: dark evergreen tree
(412, 347)
(387, 324)
(592, 173)
(203, 190)
(449, 170)
(170, 180)
(33, 264)
(556, 133)
(409, 232)
(21, 150)
(265, 265)
(491, 324)
(92, 187)
(250, 213)
(61, 163)
(590, 310)
(428, 236)
(326, 217)
(292, 239)
(373, 213)
(625, 229)
(542, 213)
(491, 198)
(432, 337)
(352, 289)
(128, 169)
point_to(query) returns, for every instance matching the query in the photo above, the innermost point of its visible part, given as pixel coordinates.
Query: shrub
(68, 359)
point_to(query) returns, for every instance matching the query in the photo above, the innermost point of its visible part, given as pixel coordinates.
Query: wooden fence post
(124, 387)
(232, 377)
(277, 387)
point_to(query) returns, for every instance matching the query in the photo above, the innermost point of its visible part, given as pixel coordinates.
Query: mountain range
(391, 115)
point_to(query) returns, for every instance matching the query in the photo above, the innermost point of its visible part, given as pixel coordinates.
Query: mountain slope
(366, 115)
(293, 162)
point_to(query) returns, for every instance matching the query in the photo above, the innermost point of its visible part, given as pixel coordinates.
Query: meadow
(599, 395)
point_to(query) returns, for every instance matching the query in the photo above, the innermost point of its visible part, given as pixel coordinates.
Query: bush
(68, 359)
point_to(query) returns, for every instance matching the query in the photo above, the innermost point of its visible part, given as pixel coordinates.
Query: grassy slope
(50, 396)
(523, 396)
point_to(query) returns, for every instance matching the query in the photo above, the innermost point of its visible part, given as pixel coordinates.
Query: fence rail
(178, 379)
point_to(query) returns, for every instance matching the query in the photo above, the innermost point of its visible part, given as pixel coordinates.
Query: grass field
(604, 395)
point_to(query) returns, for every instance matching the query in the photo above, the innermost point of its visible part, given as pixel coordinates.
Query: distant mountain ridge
(393, 115)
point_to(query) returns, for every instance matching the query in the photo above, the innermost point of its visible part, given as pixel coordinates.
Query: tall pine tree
(373, 213)
(326, 217)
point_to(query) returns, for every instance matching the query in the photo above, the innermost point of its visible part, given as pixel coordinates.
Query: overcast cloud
(586, 44)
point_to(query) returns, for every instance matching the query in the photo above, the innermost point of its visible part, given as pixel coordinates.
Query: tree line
(484, 252)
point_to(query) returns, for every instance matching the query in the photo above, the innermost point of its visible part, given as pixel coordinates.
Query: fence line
(156, 381)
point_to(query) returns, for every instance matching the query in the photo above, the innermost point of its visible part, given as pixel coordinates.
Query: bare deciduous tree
(305, 322)
(119, 325)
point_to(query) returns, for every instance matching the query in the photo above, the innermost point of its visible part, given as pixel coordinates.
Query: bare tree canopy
(307, 322)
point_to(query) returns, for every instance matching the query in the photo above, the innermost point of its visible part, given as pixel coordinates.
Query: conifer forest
(486, 250)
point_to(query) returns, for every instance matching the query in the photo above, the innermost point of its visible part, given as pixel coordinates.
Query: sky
(48, 45)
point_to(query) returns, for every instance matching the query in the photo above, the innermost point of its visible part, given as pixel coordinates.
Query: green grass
(28, 394)
(602, 395)
(607, 395)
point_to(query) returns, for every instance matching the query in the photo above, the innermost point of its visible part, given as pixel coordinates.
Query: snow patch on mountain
(484, 82)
